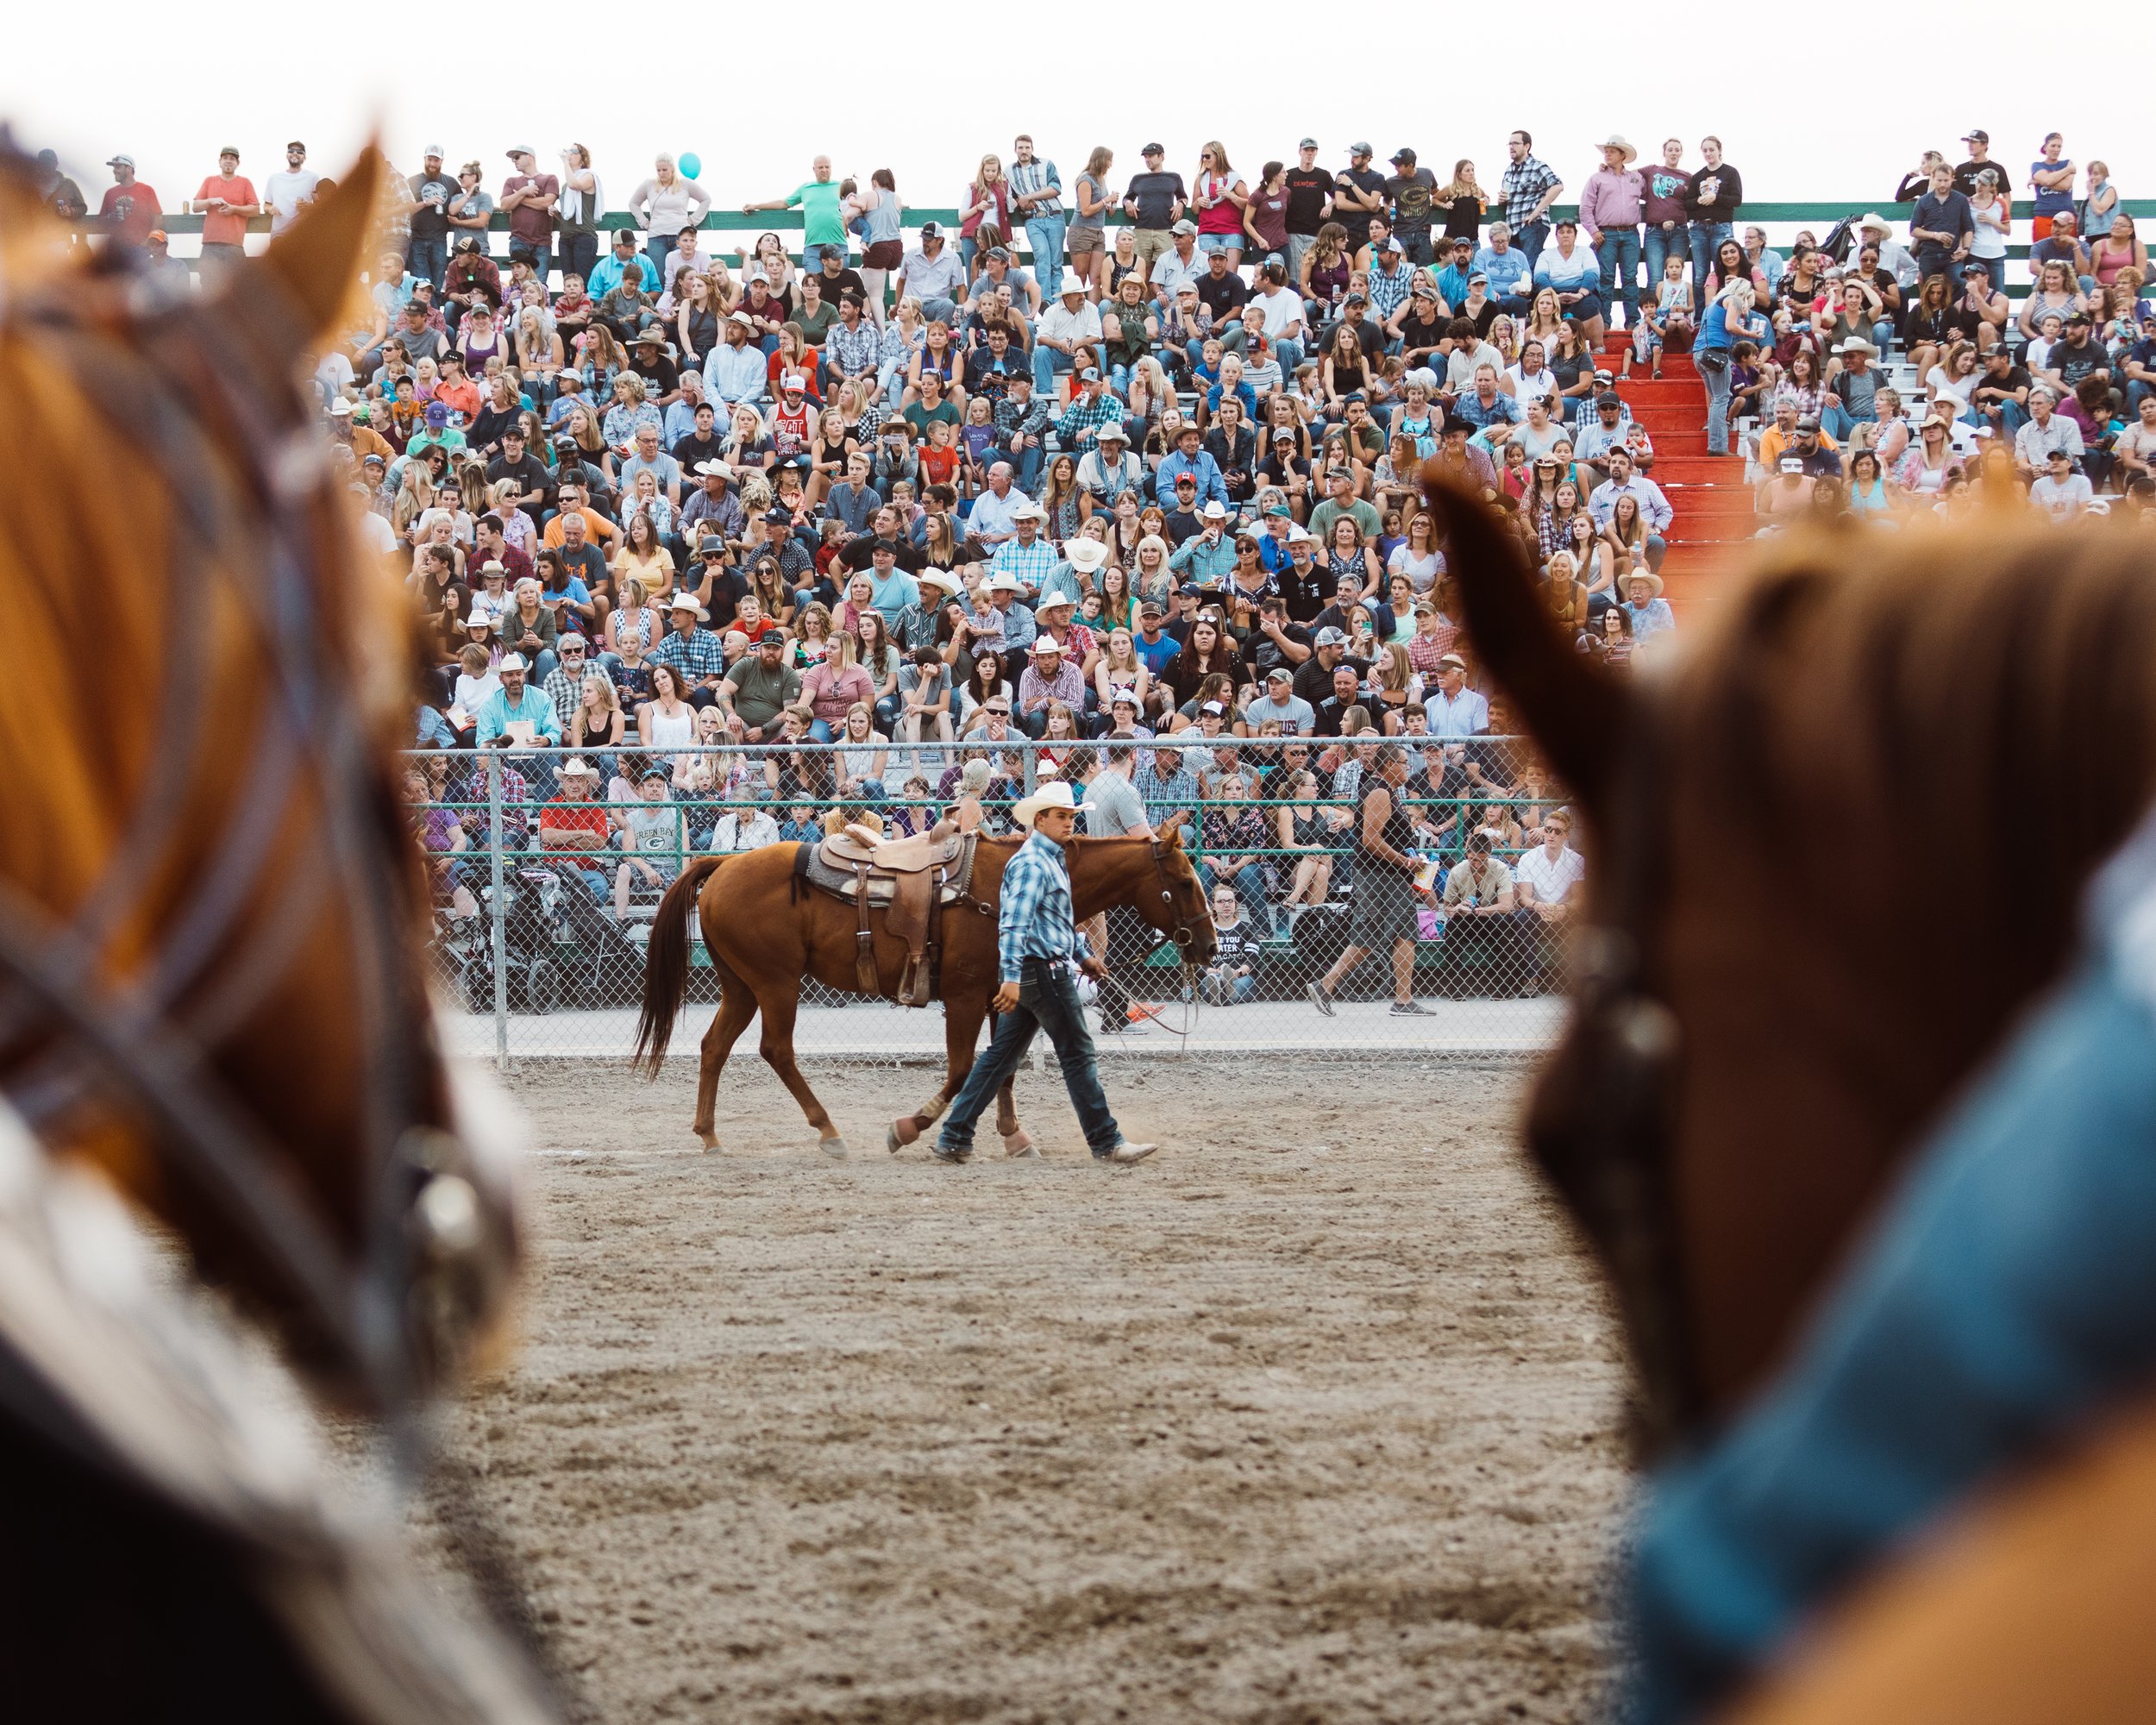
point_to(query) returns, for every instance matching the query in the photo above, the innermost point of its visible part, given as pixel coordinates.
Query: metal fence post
(498, 912)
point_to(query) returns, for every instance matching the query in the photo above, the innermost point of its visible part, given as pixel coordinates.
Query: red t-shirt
(939, 467)
(564, 816)
(532, 221)
(225, 230)
(131, 211)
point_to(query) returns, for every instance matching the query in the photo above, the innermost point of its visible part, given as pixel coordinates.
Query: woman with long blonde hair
(987, 204)
(633, 626)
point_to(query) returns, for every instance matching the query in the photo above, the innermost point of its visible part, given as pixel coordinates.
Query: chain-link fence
(547, 869)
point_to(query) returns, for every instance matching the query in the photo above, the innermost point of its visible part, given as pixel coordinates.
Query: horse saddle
(910, 880)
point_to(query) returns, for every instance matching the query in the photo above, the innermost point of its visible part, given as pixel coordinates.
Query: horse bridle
(1602, 1123)
(221, 372)
(1184, 932)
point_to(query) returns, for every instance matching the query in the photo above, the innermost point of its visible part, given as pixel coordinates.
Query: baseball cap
(1212, 710)
(434, 150)
(999, 254)
(931, 230)
(1152, 150)
(1330, 636)
(1091, 375)
(515, 150)
(1361, 150)
(1280, 673)
(1978, 136)
(121, 161)
(793, 381)
(1402, 154)
(1185, 226)
(1391, 244)
(1610, 398)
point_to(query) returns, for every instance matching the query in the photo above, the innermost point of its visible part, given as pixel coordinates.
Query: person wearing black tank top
(1383, 910)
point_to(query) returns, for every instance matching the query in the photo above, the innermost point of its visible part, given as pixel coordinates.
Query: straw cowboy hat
(1644, 573)
(1054, 795)
(1616, 141)
(1873, 221)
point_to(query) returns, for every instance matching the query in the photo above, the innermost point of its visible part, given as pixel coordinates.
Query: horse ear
(317, 258)
(1577, 711)
(1174, 839)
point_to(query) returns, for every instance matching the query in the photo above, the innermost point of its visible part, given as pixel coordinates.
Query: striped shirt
(1031, 179)
(1033, 918)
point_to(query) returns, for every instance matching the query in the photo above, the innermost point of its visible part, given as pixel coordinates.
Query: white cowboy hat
(710, 470)
(941, 577)
(1086, 554)
(1872, 219)
(1029, 512)
(1056, 794)
(1616, 141)
(512, 661)
(684, 600)
(1855, 344)
(482, 620)
(576, 767)
(1002, 582)
(1646, 576)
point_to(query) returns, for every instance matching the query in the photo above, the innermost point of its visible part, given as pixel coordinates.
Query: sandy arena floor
(1309, 1419)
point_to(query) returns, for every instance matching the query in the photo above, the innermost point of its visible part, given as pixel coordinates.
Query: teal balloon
(691, 165)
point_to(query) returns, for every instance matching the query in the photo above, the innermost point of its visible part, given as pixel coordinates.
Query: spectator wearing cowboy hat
(1048, 678)
(1610, 214)
(575, 822)
(698, 655)
(737, 371)
(1650, 613)
(1036, 944)
(1873, 228)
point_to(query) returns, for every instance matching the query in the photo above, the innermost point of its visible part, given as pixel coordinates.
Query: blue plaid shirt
(1033, 917)
(1525, 182)
(697, 655)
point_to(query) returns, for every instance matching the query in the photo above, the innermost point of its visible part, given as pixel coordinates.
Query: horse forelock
(1894, 762)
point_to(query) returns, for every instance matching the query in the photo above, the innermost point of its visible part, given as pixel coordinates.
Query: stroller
(559, 947)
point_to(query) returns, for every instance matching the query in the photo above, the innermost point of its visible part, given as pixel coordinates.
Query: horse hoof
(836, 1149)
(1018, 1144)
(710, 1142)
(901, 1133)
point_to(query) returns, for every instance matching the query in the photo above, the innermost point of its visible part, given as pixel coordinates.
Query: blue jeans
(427, 259)
(1707, 238)
(1044, 233)
(1619, 255)
(1834, 420)
(1717, 380)
(1047, 362)
(1531, 237)
(1656, 250)
(2013, 416)
(1223, 242)
(579, 255)
(1048, 1000)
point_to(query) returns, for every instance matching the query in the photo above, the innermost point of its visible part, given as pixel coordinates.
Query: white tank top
(670, 728)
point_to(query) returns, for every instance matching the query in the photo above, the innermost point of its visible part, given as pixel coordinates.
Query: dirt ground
(1310, 1417)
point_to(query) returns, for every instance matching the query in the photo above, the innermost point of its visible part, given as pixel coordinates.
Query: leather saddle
(910, 880)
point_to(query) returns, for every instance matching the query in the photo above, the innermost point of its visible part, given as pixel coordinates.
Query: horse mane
(1904, 756)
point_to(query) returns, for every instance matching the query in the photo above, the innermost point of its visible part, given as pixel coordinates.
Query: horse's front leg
(961, 1035)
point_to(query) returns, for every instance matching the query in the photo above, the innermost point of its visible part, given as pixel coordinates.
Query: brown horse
(766, 938)
(1838, 844)
(211, 995)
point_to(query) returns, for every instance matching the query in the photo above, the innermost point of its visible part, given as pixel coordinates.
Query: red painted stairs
(1710, 503)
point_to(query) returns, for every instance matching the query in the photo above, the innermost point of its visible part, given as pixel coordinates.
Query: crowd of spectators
(1151, 472)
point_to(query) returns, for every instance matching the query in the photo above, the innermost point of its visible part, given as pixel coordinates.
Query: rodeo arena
(1524, 785)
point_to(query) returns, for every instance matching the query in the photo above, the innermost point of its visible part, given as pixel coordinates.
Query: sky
(170, 85)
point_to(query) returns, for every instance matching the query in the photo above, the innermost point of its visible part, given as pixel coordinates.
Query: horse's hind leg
(962, 1032)
(778, 1054)
(736, 1006)
(1017, 1141)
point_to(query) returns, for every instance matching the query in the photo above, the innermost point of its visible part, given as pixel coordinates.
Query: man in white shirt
(2063, 493)
(994, 517)
(1546, 889)
(1284, 311)
(735, 371)
(1178, 265)
(1456, 711)
(1654, 508)
(288, 193)
(932, 275)
(1072, 321)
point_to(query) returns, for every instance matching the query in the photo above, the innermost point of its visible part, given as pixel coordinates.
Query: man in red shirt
(577, 822)
(528, 197)
(224, 201)
(130, 212)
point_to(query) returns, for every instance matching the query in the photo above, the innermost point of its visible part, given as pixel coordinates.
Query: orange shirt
(225, 230)
(597, 528)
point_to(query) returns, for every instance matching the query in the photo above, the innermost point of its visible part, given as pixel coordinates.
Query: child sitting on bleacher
(1671, 313)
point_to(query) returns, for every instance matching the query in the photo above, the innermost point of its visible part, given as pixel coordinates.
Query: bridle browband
(210, 403)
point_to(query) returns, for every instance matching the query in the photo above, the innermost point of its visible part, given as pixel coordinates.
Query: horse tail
(666, 965)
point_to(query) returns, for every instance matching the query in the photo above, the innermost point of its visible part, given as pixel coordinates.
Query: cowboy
(1036, 947)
